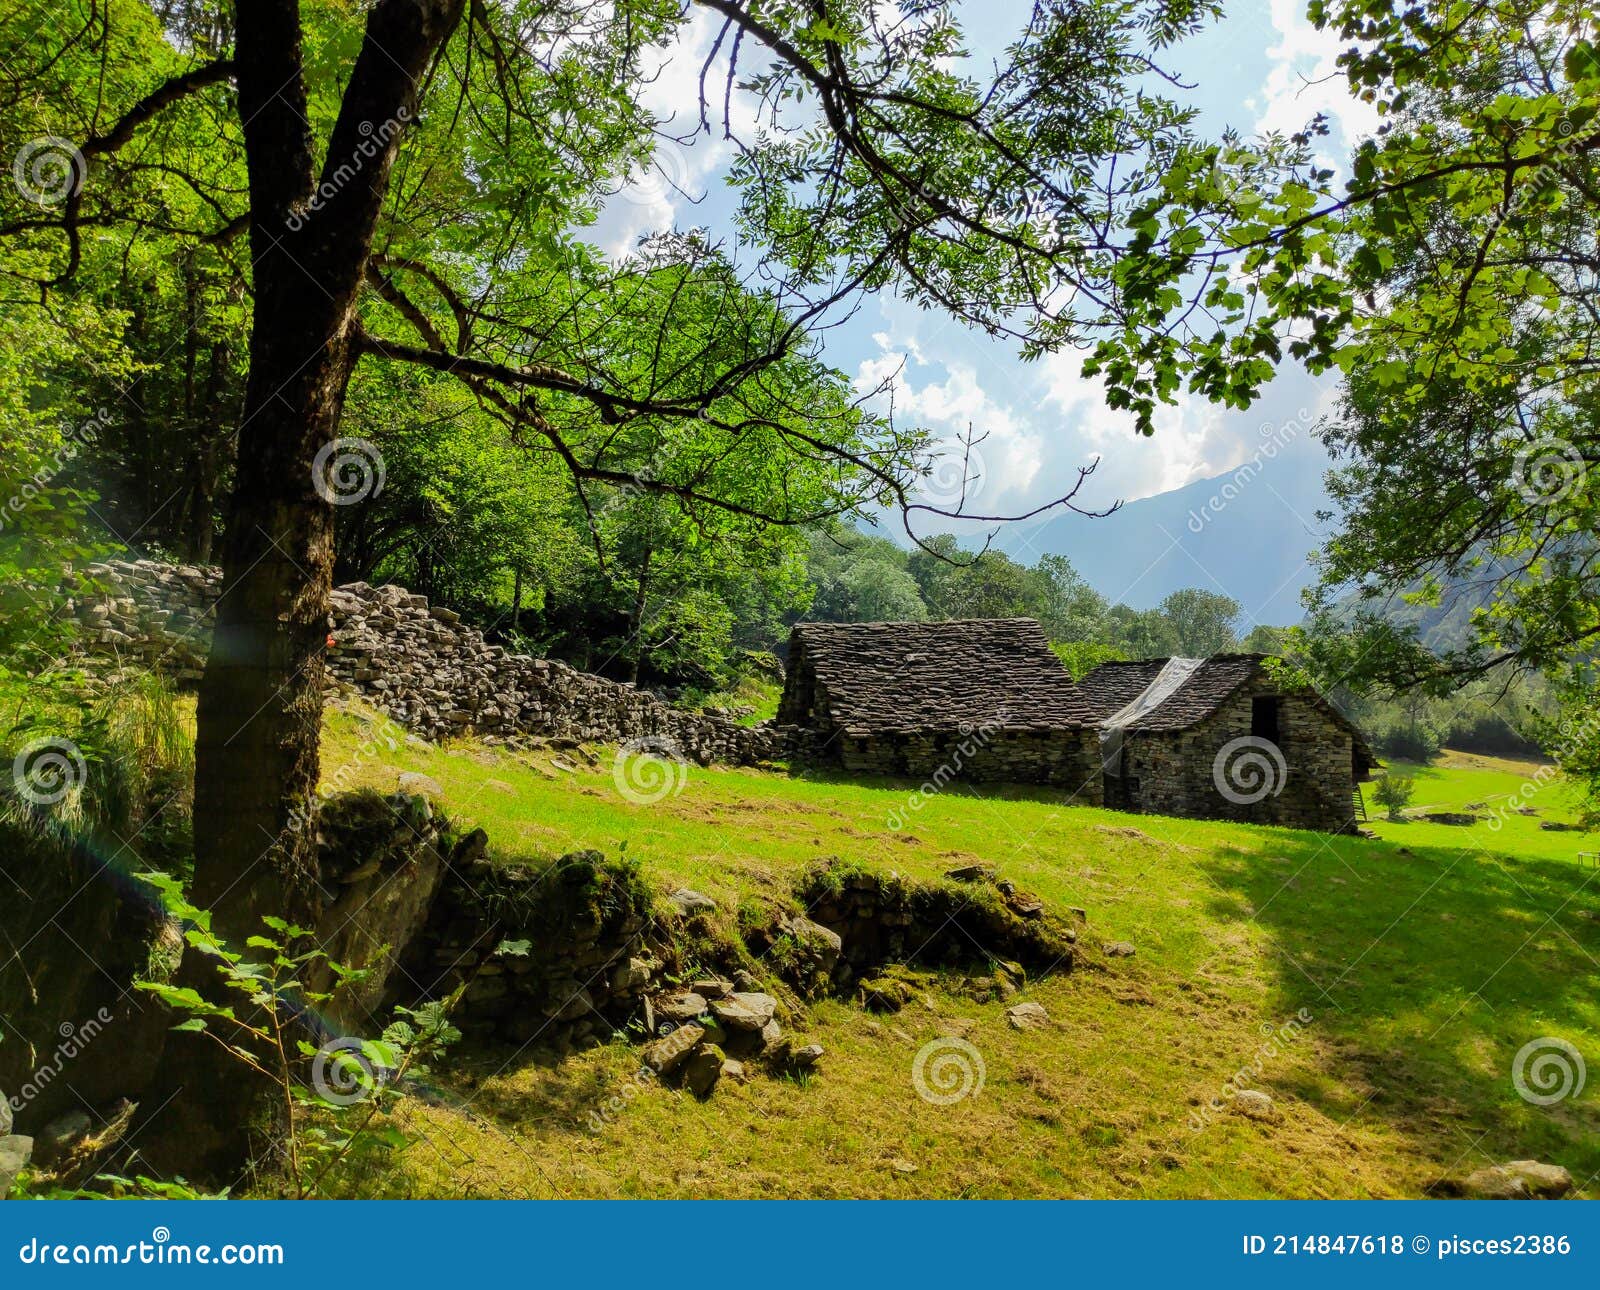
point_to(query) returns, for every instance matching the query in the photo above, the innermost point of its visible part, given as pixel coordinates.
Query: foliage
(1082, 657)
(265, 1023)
(1394, 792)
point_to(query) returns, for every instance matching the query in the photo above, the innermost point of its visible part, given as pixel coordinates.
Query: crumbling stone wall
(420, 664)
(1177, 772)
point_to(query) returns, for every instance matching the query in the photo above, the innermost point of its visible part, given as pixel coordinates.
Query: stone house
(978, 700)
(1218, 738)
(988, 700)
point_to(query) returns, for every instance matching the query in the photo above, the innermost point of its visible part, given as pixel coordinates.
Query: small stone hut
(988, 700)
(1218, 738)
(971, 700)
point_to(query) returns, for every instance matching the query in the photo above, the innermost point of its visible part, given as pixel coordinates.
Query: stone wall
(1064, 758)
(1177, 773)
(420, 664)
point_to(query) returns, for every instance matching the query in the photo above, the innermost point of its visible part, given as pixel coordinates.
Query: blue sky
(1262, 67)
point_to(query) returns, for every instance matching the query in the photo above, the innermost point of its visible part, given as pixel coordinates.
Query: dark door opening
(1264, 717)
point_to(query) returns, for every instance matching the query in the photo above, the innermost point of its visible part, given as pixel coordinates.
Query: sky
(1263, 66)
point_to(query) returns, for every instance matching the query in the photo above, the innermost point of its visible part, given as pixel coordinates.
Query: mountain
(1246, 534)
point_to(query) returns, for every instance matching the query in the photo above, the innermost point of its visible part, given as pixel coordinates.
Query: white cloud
(1303, 79)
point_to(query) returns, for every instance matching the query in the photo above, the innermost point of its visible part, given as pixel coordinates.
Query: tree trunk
(260, 706)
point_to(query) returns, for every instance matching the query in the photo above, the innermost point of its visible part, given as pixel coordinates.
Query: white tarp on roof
(1166, 683)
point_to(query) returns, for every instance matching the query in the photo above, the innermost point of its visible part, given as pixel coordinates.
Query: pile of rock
(420, 664)
(885, 918)
(709, 1032)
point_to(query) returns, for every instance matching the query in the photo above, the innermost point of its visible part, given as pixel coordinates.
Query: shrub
(1394, 793)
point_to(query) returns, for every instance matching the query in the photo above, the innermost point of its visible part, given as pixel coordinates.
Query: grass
(1379, 991)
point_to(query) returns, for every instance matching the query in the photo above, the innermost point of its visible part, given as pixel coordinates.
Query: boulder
(1118, 949)
(1254, 1105)
(1517, 1180)
(743, 981)
(703, 1069)
(415, 782)
(806, 1058)
(980, 872)
(1027, 1016)
(671, 1050)
(734, 1070)
(5, 1115)
(684, 1005)
(712, 987)
(689, 903)
(884, 993)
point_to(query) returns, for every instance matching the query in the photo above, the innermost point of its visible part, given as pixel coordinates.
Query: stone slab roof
(883, 677)
(1112, 686)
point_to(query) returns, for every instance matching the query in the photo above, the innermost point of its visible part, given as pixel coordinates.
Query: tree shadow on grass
(1428, 970)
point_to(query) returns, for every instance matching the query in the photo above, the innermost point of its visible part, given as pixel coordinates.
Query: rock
(1517, 1180)
(743, 981)
(1027, 1016)
(1118, 949)
(689, 903)
(805, 1059)
(712, 987)
(669, 1052)
(703, 1069)
(685, 1005)
(414, 781)
(632, 975)
(5, 1115)
(823, 943)
(903, 1166)
(733, 1069)
(760, 1006)
(770, 1034)
(884, 993)
(15, 1152)
(980, 872)
(1025, 906)
(1254, 1105)
(499, 786)
(734, 1015)
(60, 1136)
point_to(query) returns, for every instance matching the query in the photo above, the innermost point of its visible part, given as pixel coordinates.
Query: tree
(391, 184)
(1394, 793)
(1201, 621)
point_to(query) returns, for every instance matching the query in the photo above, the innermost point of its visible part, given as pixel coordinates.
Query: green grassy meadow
(1378, 991)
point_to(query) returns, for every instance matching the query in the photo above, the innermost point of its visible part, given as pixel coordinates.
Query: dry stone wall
(422, 665)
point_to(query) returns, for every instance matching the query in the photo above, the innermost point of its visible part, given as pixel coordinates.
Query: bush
(1405, 740)
(1394, 793)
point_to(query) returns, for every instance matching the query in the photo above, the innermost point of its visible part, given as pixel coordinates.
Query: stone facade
(1230, 744)
(420, 664)
(982, 700)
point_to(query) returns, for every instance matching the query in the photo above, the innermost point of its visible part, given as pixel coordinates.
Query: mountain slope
(1246, 534)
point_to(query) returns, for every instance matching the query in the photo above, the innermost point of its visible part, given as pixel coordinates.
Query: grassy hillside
(1378, 991)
